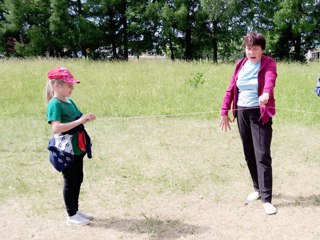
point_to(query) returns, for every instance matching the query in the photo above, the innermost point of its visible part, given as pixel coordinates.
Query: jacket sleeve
(230, 92)
(270, 77)
(228, 98)
(317, 88)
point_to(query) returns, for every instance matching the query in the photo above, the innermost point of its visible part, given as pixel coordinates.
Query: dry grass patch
(160, 178)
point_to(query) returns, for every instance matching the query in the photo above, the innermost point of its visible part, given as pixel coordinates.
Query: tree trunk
(112, 27)
(125, 31)
(297, 49)
(215, 42)
(188, 32)
(79, 7)
(188, 52)
(171, 47)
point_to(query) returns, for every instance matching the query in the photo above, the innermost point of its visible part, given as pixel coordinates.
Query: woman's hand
(263, 99)
(225, 123)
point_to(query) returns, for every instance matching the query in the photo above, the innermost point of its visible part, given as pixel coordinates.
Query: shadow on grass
(158, 229)
(306, 201)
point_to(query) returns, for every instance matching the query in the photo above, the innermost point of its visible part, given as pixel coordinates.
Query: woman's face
(254, 53)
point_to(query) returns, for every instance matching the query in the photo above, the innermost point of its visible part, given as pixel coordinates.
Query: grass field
(113, 89)
(155, 176)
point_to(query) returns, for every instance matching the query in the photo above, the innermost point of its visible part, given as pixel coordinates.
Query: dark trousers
(256, 141)
(73, 177)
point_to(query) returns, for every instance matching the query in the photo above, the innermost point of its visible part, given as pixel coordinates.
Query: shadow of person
(159, 229)
(306, 201)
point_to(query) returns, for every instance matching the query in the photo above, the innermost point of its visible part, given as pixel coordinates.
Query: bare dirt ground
(211, 205)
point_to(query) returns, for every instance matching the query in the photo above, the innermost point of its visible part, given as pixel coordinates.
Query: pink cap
(63, 74)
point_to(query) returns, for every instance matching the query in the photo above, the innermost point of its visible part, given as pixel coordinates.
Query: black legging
(73, 177)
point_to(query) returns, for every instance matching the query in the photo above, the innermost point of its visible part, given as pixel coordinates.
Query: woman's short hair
(254, 39)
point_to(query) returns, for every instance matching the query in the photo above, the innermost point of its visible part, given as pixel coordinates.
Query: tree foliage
(184, 29)
(297, 24)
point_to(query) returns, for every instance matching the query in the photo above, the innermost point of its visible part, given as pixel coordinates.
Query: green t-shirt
(64, 112)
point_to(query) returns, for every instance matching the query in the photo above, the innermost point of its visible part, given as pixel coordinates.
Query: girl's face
(62, 91)
(254, 53)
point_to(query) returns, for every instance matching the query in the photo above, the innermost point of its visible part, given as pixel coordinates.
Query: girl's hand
(87, 117)
(263, 99)
(92, 116)
(225, 123)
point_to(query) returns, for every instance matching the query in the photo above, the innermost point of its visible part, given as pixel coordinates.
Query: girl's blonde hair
(49, 91)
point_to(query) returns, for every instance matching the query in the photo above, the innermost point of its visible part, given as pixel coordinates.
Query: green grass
(144, 88)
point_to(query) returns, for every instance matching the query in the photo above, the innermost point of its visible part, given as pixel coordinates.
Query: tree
(185, 16)
(89, 35)
(169, 25)
(297, 25)
(227, 22)
(258, 15)
(27, 23)
(110, 17)
(187, 29)
(178, 20)
(63, 29)
(3, 40)
(124, 21)
(144, 27)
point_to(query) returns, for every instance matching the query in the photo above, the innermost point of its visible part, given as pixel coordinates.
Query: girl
(65, 117)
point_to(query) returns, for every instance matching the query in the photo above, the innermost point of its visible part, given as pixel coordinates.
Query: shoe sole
(78, 224)
(271, 213)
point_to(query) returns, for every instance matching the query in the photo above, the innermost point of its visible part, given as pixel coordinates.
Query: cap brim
(71, 81)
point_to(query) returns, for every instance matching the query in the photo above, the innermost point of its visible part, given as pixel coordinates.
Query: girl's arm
(59, 127)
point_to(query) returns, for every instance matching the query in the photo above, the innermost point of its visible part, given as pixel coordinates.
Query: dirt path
(179, 217)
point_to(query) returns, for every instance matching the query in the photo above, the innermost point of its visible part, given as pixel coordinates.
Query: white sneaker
(253, 196)
(85, 215)
(269, 208)
(77, 220)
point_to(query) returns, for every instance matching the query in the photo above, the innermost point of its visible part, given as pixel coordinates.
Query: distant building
(147, 55)
(313, 55)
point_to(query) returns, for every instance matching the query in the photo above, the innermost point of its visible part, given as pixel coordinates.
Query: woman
(251, 94)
